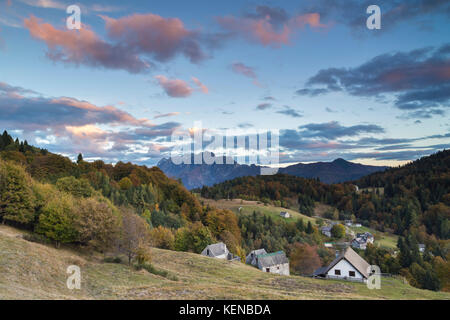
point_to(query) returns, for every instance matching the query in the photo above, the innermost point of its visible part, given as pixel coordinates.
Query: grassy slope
(249, 206)
(386, 240)
(34, 271)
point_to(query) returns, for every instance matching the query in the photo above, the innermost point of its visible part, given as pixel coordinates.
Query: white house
(421, 248)
(362, 239)
(252, 256)
(219, 251)
(359, 243)
(276, 262)
(366, 236)
(348, 265)
(285, 214)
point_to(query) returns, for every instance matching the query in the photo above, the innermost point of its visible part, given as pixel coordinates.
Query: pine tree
(309, 228)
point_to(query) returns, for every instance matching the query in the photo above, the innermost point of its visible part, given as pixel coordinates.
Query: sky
(137, 72)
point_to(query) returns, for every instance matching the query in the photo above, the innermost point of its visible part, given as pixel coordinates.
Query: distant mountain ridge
(336, 171)
(198, 175)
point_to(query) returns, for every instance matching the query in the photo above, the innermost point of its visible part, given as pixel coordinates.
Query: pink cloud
(246, 71)
(161, 38)
(200, 85)
(265, 31)
(165, 115)
(45, 4)
(241, 68)
(131, 44)
(84, 47)
(110, 113)
(175, 88)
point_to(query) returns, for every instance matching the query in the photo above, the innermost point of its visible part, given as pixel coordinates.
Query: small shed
(275, 262)
(285, 214)
(219, 251)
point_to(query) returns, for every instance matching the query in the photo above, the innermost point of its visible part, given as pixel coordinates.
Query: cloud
(288, 111)
(328, 141)
(333, 130)
(352, 13)
(69, 126)
(48, 4)
(269, 26)
(200, 85)
(246, 71)
(84, 47)
(278, 16)
(133, 43)
(419, 80)
(245, 125)
(158, 37)
(241, 68)
(26, 109)
(263, 106)
(327, 109)
(165, 115)
(175, 88)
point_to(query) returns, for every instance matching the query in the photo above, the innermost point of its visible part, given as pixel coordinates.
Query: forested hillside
(412, 201)
(120, 210)
(99, 205)
(397, 199)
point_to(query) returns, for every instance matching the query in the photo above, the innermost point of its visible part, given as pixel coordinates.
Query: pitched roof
(217, 249)
(272, 259)
(258, 252)
(354, 259)
(320, 271)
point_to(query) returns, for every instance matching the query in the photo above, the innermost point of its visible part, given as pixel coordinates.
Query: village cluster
(347, 265)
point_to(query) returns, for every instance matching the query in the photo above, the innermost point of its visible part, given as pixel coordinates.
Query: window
(337, 272)
(267, 269)
(351, 273)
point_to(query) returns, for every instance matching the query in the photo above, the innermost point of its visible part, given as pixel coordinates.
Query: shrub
(143, 255)
(338, 231)
(96, 223)
(34, 237)
(112, 260)
(151, 269)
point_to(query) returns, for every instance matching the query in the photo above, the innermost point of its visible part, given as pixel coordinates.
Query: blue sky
(138, 71)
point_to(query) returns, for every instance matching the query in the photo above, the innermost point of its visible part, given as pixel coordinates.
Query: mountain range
(199, 175)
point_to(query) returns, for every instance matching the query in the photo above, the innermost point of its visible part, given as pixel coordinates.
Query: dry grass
(34, 271)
